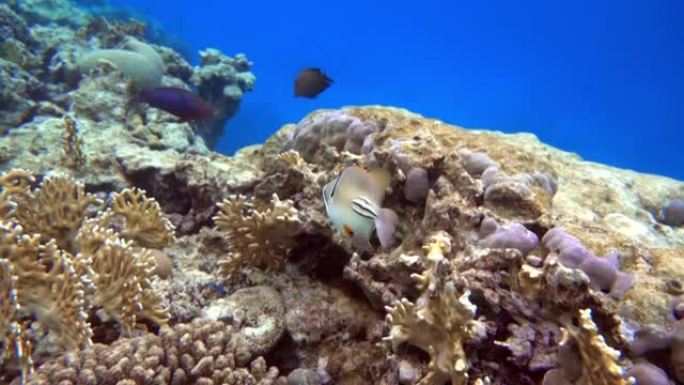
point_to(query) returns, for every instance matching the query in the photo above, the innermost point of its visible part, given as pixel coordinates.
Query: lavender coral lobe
(461, 288)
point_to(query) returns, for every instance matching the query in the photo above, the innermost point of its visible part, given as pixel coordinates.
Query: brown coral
(144, 221)
(439, 322)
(122, 279)
(13, 183)
(72, 154)
(56, 288)
(47, 285)
(260, 235)
(56, 210)
(586, 359)
(201, 352)
(14, 344)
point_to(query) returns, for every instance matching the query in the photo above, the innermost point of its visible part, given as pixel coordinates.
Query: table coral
(259, 234)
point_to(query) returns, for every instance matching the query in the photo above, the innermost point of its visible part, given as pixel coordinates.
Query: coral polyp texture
(130, 253)
(260, 234)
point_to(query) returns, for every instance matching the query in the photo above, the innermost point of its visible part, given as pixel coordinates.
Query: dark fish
(179, 102)
(310, 82)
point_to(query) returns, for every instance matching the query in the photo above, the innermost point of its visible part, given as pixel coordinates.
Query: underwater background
(602, 79)
(317, 193)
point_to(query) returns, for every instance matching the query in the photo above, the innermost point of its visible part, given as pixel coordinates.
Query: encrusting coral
(259, 234)
(201, 353)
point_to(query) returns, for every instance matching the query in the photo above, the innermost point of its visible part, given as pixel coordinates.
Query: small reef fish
(352, 201)
(310, 82)
(179, 102)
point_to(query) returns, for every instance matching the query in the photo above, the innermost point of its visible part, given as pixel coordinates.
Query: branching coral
(65, 260)
(439, 322)
(13, 183)
(586, 359)
(199, 353)
(14, 345)
(259, 235)
(56, 210)
(121, 277)
(46, 285)
(144, 222)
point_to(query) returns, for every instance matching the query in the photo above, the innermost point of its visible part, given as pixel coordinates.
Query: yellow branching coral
(440, 321)
(260, 235)
(14, 345)
(56, 210)
(144, 222)
(291, 158)
(121, 278)
(13, 183)
(47, 285)
(42, 230)
(586, 357)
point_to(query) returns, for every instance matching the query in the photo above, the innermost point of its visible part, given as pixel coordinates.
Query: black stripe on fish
(364, 207)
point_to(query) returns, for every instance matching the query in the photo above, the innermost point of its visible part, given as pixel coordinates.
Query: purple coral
(417, 184)
(646, 373)
(673, 213)
(335, 128)
(515, 236)
(476, 162)
(603, 272)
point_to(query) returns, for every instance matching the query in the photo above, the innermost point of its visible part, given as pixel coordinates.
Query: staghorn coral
(439, 322)
(144, 223)
(201, 353)
(259, 235)
(585, 358)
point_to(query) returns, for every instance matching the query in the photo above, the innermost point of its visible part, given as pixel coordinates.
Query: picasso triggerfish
(353, 204)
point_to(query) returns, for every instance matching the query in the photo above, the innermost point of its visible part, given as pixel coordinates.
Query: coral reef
(130, 253)
(222, 81)
(64, 261)
(258, 235)
(202, 352)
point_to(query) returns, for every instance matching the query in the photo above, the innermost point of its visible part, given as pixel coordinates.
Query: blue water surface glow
(600, 78)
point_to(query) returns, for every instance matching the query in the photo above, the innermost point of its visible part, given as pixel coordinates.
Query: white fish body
(352, 202)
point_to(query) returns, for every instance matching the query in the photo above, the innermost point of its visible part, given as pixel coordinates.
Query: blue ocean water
(603, 79)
